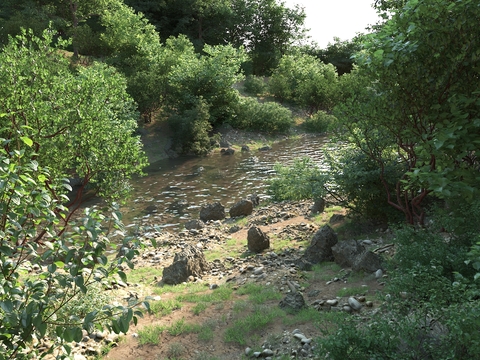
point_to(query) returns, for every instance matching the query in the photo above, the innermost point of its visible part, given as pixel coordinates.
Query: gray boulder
(368, 262)
(346, 252)
(293, 302)
(189, 262)
(214, 211)
(241, 208)
(257, 240)
(318, 206)
(320, 248)
(194, 225)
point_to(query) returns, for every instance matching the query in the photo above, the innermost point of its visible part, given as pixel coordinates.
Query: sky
(340, 18)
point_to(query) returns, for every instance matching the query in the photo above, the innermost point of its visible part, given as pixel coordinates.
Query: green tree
(58, 123)
(208, 78)
(306, 81)
(81, 122)
(421, 101)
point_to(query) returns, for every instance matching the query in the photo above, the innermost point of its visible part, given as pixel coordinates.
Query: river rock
(293, 301)
(320, 248)
(346, 252)
(257, 240)
(241, 208)
(213, 211)
(318, 206)
(354, 304)
(189, 262)
(194, 224)
(368, 262)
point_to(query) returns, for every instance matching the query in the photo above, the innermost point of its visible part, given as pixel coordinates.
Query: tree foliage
(421, 100)
(58, 123)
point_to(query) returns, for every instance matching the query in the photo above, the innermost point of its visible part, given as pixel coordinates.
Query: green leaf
(26, 140)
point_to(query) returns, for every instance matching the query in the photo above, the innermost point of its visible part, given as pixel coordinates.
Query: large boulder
(241, 208)
(346, 252)
(353, 254)
(214, 211)
(188, 262)
(257, 240)
(320, 248)
(194, 224)
(318, 206)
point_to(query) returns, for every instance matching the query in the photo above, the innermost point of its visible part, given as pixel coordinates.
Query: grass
(145, 274)
(351, 291)
(204, 300)
(150, 334)
(323, 271)
(163, 308)
(245, 326)
(180, 288)
(259, 294)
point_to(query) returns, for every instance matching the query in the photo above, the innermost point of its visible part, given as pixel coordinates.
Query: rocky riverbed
(293, 233)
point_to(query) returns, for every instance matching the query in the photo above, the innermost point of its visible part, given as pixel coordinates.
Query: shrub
(254, 85)
(267, 117)
(319, 122)
(302, 180)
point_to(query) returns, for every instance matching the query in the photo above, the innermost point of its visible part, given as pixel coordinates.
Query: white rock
(378, 274)
(354, 303)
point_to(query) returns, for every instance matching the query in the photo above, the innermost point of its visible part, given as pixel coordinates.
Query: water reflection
(174, 189)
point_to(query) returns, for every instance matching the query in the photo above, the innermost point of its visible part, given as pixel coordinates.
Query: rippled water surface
(174, 189)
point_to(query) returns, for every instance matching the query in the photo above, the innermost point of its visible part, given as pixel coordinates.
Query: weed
(357, 290)
(175, 350)
(181, 327)
(163, 308)
(245, 326)
(150, 334)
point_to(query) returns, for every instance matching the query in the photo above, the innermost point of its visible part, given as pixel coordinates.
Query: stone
(214, 211)
(188, 262)
(241, 208)
(257, 240)
(194, 225)
(228, 151)
(293, 301)
(320, 248)
(354, 304)
(318, 206)
(336, 218)
(368, 262)
(346, 252)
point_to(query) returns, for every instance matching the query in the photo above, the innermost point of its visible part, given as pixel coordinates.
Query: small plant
(163, 308)
(320, 122)
(175, 350)
(150, 334)
(245, 326)
(254, 85)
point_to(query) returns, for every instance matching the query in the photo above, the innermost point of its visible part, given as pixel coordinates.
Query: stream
(174, 190)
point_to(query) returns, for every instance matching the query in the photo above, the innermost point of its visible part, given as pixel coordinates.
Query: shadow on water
(175, 189)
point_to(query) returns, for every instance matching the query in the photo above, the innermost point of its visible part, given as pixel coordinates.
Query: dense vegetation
(404, 110)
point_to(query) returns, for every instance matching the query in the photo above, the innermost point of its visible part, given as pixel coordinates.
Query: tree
(421, 101)
(57, 123)
(306, 81)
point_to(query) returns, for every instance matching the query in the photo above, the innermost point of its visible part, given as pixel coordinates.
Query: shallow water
(175, 189)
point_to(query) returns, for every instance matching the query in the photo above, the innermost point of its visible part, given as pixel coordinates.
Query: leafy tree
(421, 101)
(80, 122)
(267, 30)
(58, 123)
(209, 77)
(304, 80)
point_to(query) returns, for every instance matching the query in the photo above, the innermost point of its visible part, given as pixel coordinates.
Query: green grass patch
(150, 334)
(163, 308)
(309, 315)
(351, 291)
(259, 294)
(244, 327)
(181, 327)
(144, 275)
(180, 288)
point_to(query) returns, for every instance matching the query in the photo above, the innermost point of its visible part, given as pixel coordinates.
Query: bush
(254, 85)
(320, 122)
(191, 129)
(267, 117)
(302, 180)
